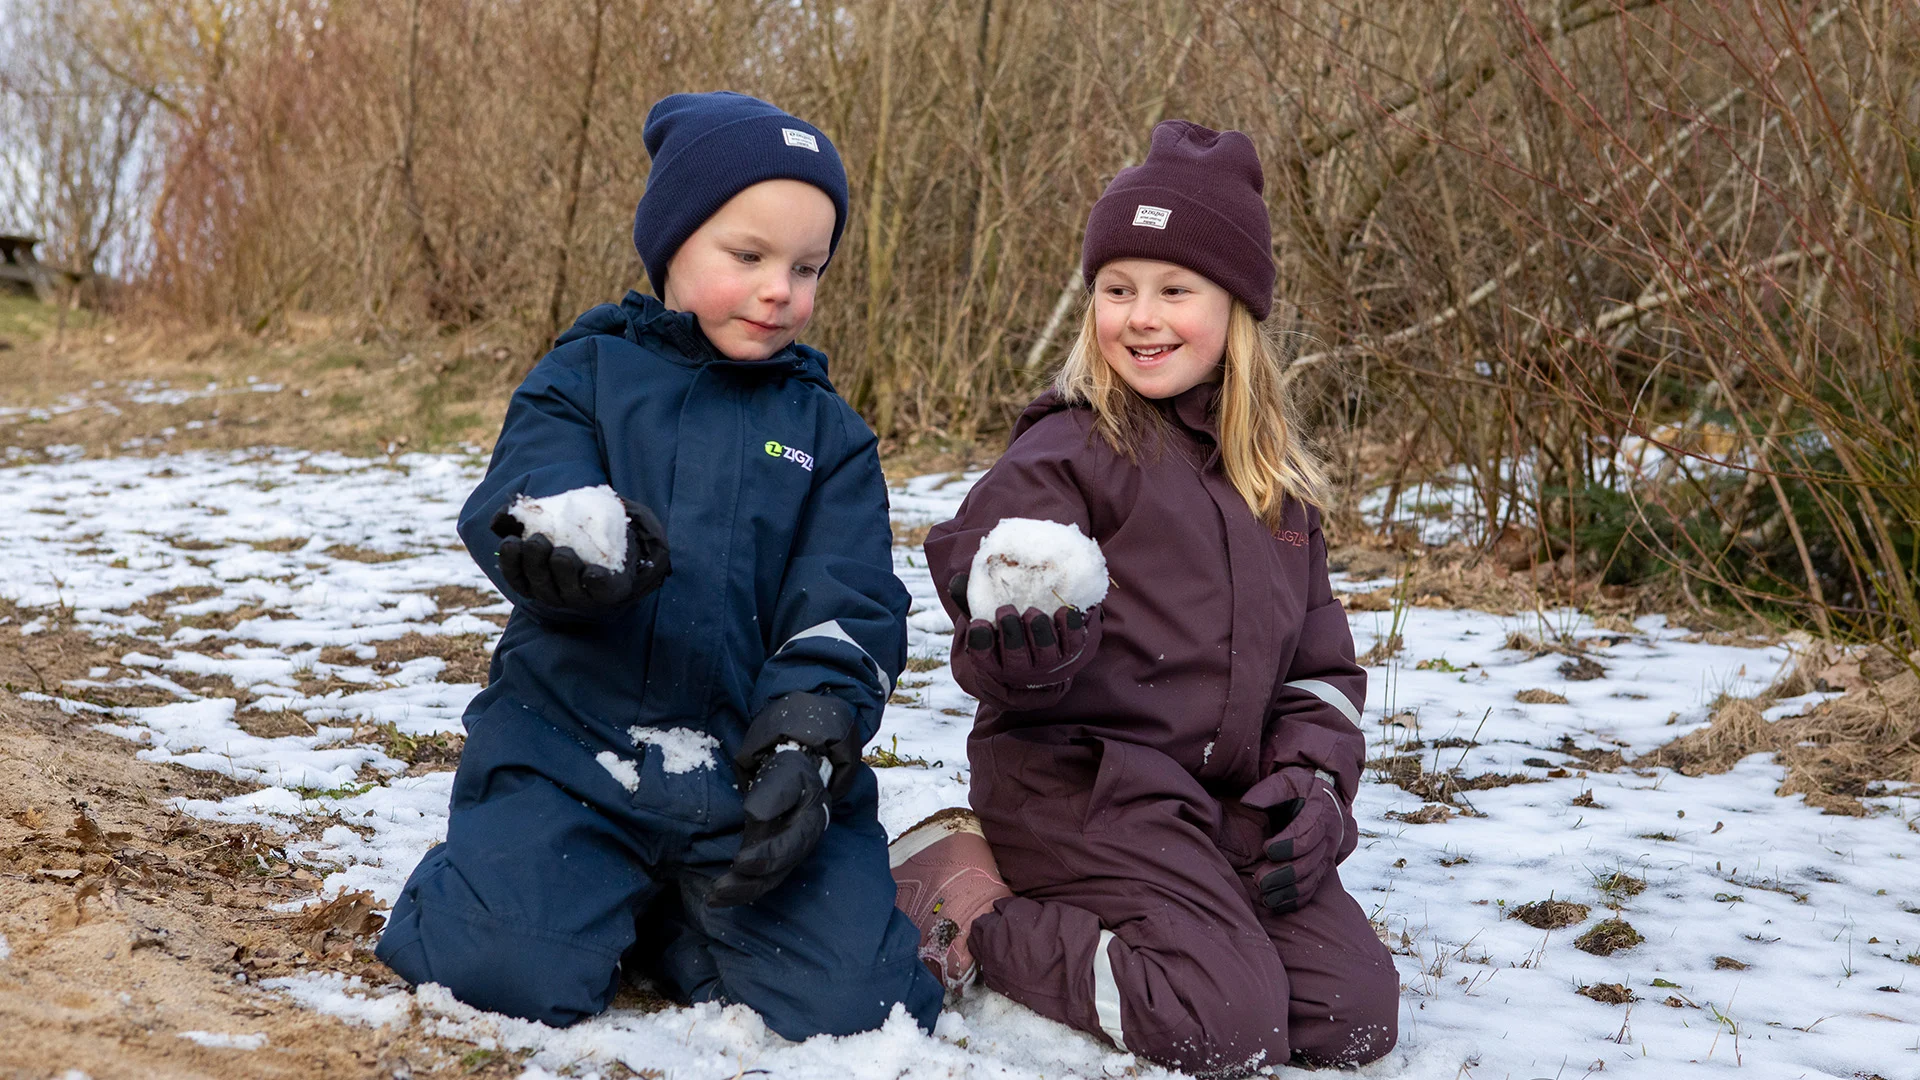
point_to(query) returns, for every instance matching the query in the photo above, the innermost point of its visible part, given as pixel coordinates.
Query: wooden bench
(22, 272)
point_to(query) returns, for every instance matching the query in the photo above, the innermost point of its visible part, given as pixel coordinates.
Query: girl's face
(1161, 327)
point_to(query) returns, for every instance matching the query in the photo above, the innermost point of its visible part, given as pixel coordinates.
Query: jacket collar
(681, 329)
(1194, 410)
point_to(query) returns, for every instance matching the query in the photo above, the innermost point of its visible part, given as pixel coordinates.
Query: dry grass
(1409, 773)
(1583, 669)
(338, 393)
(355, 553)
(1608, 937)
(1620, 885)
(462, 597)
(1539, 697)
(1833, 754)
(1607, 993)
(467, 655)
(1430, 814)
(1550, 914)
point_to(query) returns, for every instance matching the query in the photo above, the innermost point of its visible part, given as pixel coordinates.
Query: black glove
(801, 752)
(1309, 829)
(559, 578)
(1021, 660)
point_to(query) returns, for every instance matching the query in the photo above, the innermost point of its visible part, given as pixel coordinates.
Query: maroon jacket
(1223, 646)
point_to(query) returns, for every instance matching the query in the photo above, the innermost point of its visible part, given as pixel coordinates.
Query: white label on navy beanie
(800, 138)
(1153, 217)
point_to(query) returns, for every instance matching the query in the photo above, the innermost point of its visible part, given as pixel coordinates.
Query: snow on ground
(1776, 940)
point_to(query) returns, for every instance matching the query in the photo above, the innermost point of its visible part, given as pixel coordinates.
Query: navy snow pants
(553, 872)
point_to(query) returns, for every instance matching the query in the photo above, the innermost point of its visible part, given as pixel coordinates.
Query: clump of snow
(344, 996)
(619, 768)
(1030, 563)
(590, 520)
(682, 750)
(6, 950)
(223, 1041)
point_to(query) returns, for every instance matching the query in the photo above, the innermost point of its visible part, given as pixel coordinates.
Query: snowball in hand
(590, 520)
(1035, 564)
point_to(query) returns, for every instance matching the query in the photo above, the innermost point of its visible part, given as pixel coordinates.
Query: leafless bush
(70, 167)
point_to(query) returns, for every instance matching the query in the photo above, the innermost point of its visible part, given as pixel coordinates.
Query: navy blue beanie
(706, 149)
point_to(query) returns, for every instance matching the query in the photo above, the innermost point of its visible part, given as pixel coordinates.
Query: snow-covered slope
(1776, 940)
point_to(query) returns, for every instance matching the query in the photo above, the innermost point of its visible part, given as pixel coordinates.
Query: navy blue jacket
(770, 489)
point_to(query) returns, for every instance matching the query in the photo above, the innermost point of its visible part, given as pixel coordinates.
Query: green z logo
(798, 457)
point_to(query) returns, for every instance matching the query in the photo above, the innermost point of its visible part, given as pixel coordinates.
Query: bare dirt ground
(128, 924)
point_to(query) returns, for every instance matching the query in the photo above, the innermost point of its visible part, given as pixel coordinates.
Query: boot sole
(930, 831)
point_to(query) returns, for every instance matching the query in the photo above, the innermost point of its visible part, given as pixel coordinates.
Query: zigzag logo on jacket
(797, 456)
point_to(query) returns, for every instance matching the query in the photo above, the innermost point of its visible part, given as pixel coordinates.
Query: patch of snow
(590, 520)
(682, 750)
(347, 997)
(222, 1041)
(6, 950)
(1030, 563)
(619, 768)
(931, 620)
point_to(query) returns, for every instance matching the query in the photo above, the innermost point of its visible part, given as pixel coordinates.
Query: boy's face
(1161, 327)
(749, 272)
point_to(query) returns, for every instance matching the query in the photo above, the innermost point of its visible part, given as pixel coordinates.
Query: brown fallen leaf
(87, 831)
(351, 913)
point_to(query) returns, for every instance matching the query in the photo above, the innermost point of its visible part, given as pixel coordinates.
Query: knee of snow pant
(440, 933)
(826, 952)
(1196, 999)
(527, 906)
(799, 1005)
(1345, 1007)
(1362, 1032)
(1176, 991)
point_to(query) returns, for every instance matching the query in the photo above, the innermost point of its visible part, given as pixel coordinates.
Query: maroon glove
(1021, 661)
(1312, 831)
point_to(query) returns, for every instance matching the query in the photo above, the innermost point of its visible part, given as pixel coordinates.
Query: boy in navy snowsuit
(663, 775)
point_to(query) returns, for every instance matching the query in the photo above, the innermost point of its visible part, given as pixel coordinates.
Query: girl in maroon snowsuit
(1166, 780)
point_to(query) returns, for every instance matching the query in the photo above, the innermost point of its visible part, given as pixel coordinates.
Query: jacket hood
(1049, 402)
(645, 321)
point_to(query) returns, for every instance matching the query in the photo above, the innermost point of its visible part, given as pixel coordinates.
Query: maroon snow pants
(1135, 917)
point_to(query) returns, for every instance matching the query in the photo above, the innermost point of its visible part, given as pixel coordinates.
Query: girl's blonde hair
(1265, 458)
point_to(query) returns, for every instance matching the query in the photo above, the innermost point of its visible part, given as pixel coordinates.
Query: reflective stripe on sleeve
(1325, 692)
(831, 629)
(1106, 992)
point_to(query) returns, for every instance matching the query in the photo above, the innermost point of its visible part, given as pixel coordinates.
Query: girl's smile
(1150, 354)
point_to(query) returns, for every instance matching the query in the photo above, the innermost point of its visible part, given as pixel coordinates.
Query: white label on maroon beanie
(803, 139)
(1153, 217)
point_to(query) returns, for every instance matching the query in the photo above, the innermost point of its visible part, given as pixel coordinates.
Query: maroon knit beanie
(1195, 201)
